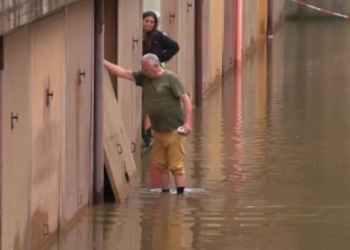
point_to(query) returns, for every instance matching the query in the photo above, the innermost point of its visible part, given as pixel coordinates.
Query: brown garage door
(78, 108)
(48, 51)
(228, 50)
(16, 194)
(129, 44)
(170, 25)
(136, 56)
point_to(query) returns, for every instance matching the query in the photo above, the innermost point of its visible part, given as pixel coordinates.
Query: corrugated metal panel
(229, 31)
(129, 55)
(78, 108)
(14, 13)
(17, 159)
(48, 51)
(170, 25)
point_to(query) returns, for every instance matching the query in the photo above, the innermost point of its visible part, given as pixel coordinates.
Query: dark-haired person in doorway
(169, 107)
(158, 43)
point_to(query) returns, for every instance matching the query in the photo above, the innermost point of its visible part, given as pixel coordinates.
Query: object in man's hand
(182, 131)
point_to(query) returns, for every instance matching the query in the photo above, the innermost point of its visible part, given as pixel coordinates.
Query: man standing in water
(169, 107)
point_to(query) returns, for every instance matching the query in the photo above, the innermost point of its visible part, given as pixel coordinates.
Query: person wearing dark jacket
(158, 43)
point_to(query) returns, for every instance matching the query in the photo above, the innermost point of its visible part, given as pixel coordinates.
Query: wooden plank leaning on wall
(119, 160)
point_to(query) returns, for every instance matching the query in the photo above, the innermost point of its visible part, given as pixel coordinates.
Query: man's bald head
(151, 65)
(151, 59)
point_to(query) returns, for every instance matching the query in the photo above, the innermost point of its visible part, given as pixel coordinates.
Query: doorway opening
(110, 48)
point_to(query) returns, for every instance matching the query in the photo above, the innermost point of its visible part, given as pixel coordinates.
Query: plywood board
(16, 195)
(119, 160)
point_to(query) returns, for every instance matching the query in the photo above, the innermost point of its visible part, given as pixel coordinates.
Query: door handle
(49, 97)
(134, 40)
(14, 117)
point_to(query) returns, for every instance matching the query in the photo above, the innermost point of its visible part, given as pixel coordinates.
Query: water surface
(269, 157)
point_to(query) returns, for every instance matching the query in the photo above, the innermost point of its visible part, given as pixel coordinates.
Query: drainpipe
(198, 52)
(1, 115)
(98, 170)
(239, 33)
(270, 18)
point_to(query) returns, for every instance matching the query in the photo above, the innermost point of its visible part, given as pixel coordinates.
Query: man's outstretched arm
(119, 71)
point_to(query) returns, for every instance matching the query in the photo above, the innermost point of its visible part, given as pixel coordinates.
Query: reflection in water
(271, 145)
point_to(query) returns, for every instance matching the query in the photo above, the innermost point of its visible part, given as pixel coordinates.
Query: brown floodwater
(268, 162)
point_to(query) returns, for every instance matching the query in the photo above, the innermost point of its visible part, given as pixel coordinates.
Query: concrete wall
(14, 14)
(341, 6)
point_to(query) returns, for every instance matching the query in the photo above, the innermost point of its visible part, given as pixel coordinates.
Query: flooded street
(268, 161)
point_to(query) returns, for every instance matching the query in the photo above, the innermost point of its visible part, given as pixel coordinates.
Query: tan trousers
(170, 152)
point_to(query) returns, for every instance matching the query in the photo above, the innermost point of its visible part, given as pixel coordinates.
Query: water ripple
(268, 160)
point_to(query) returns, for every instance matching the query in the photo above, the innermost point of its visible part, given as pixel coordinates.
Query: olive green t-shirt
(162, 100)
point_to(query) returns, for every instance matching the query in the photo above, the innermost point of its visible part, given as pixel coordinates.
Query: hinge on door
(189, 5)
(14, 117)
(127, 177)
(134, 40)
(133, 147)
(46, 229)
(172, 16)
(81, 74)
(49, 97)
(80, 200)
(79, 234)
(120, 148)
